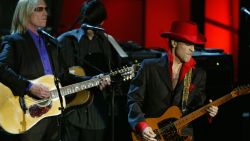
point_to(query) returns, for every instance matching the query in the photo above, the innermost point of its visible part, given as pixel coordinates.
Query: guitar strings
(121, 71)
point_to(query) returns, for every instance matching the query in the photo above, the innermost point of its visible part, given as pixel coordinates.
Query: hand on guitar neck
(104, 81)
(212, 110)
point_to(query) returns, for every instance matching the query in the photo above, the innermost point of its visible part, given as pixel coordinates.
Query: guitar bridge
(168, 130)
(157, 137)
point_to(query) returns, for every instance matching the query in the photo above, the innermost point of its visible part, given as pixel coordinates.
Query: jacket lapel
(164, 72)
(34, 52)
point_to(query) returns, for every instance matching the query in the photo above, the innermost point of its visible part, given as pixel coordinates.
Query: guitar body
(79, 98)
(14, 119)
(171, 114)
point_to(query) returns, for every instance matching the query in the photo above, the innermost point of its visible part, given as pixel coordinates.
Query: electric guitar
(16, 119)
(168, 126)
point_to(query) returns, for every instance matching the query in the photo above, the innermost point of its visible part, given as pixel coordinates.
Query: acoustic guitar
(85, 97)
(16, 119)
(82, 97)
(169, 125)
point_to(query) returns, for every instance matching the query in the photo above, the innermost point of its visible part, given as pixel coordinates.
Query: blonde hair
(22, 15)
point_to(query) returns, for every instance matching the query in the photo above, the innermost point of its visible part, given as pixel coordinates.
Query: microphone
(245, 10)
(94, 28)
(51, 39)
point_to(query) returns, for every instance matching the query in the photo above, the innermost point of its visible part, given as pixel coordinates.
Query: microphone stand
(57, 82)
(60, 118)
(121, 54)
(113, 114)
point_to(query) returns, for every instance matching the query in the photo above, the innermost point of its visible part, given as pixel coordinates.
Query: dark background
(128, 20)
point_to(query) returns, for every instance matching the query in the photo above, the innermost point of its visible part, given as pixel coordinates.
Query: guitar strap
(187, 81)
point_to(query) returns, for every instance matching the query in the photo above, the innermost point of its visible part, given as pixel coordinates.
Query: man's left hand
(212, 110)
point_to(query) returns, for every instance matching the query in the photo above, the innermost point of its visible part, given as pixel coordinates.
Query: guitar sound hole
(37, 111)
(168, 130)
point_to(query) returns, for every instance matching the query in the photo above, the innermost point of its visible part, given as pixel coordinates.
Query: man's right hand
(148, 134)
(40, 90)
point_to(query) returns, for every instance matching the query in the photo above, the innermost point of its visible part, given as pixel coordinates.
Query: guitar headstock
(241, 90)
(126, 72)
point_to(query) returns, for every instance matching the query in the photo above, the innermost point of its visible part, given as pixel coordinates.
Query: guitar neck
(127, 73)
(201, 111)
(67, 90)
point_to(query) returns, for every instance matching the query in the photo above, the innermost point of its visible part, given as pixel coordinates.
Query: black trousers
(73, 133)
(44, 130)
(4, 136)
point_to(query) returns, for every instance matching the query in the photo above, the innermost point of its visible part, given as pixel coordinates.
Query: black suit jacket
(151, 92)
(20, 54)
(74, 52)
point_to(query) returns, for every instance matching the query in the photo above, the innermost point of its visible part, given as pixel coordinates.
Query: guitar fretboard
(127, 73)
(201, 111)
(77, 87)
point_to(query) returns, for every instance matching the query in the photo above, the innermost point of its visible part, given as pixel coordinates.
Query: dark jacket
(74, 52)
(151, 92)
(21, 55)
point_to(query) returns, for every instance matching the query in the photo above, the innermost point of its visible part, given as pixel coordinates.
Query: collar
(185, 67)
(76, 33)
(33, 35)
